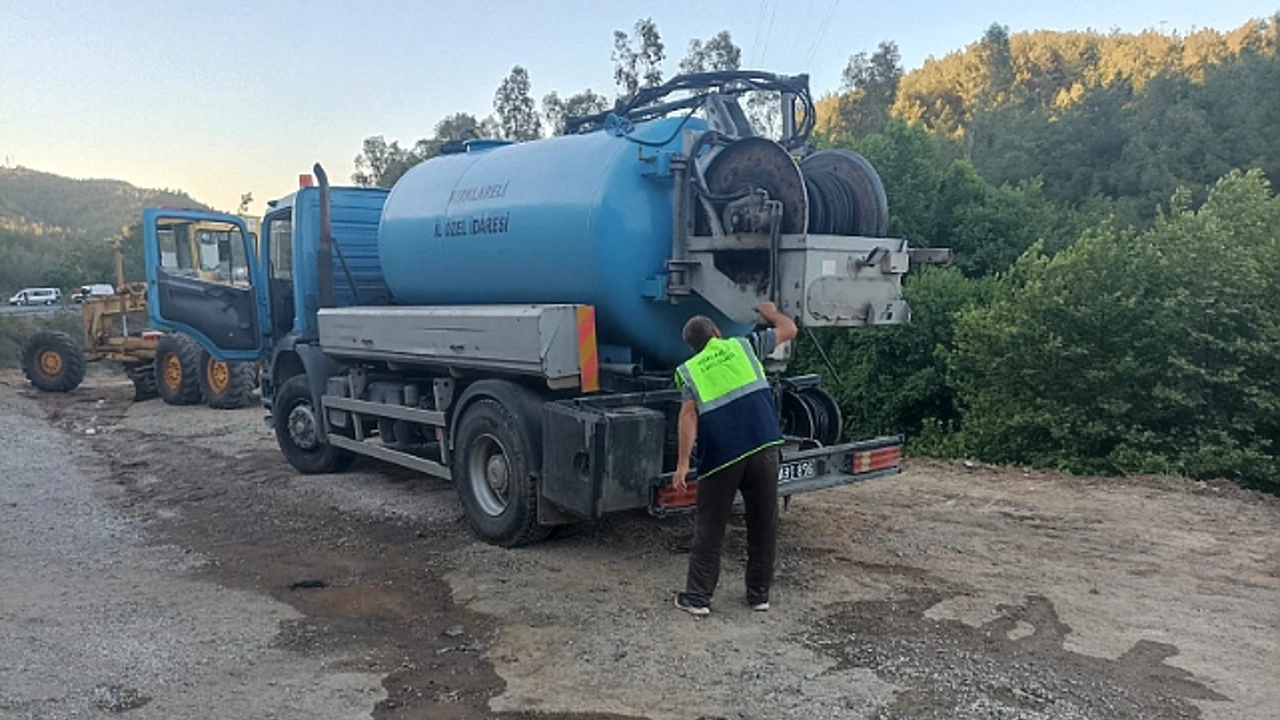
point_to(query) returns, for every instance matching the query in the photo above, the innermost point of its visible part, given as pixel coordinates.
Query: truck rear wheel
(297, 425)
(227, 385)
(53, 361)
(491, 473)
(177, 369)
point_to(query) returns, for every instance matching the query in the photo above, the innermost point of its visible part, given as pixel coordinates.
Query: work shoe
(692, 605)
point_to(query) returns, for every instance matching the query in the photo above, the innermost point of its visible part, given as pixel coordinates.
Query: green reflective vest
(736, 411)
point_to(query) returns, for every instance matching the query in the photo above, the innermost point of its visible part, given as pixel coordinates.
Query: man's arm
(688, 436)
(783, 326)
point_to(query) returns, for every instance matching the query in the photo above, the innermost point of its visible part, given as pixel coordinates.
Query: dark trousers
(757, 477)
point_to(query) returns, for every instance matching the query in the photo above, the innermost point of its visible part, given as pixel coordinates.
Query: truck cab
(232, 283)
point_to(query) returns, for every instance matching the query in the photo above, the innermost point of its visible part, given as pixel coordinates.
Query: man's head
(698, 331)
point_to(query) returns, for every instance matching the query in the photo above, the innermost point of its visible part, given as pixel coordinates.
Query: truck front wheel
(491, 473)
(297, 425)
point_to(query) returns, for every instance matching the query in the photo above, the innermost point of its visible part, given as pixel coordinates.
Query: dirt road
(948, 592)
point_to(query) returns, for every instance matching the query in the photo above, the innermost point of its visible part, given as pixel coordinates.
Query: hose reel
(811, 413)
(831, 192)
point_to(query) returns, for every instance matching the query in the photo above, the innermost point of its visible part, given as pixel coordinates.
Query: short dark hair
(699, 331)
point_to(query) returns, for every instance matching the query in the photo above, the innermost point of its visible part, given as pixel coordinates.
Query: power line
(822, 30)
(808, 8)
(764, 52)
(755, 42)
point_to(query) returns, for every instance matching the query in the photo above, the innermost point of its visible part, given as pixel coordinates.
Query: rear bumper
(802, 471)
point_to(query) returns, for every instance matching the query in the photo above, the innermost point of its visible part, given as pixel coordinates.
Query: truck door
(202, 273)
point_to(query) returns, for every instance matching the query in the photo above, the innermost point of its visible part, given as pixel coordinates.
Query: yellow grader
(172, 366)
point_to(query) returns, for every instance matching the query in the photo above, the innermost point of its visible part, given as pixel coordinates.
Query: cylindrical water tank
(575, 219)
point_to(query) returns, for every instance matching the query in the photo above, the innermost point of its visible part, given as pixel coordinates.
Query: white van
(37, 296)
(95, 290)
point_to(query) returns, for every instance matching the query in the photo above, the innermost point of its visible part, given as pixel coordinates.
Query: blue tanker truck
(509, 315)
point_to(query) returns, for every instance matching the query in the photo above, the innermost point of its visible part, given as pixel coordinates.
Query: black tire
(53, 361)
(291, 409)
(177, 370)
(227, 386)
(492, 476)
(143, 376)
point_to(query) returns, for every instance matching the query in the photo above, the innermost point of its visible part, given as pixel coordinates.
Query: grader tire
(177, 370)
(53, 361)
(143, 375)
(227, 385)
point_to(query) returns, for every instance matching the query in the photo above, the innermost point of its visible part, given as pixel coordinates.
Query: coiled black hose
(833, 207)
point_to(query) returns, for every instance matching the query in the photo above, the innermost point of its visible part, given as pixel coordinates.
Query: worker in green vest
(729, 410)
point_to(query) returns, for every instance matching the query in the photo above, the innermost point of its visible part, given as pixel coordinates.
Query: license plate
(797, 470)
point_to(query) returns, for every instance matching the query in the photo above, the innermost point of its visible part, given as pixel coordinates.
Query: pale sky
(220, 98)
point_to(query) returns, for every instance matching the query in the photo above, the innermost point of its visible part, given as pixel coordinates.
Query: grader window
(175, 247)
(209, 243)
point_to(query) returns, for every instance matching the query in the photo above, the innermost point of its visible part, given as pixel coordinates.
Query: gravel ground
(97, 622)
(948, 592)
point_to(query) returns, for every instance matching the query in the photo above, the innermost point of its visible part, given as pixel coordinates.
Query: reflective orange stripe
(878, 459)
(588, 358)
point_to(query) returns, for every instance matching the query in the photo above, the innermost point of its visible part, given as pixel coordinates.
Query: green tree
(513, 104)
(132, 251)
(1137, 352)
(869, 89)
(637, 60)
(556, 109)
(84, 261)
(987, 226)
(382, 163)
(907, 158)
(464, 126)
(716, 54)
(895, 379)
(996, 55)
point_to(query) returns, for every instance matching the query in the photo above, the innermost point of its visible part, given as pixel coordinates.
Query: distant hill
(53, 229)
(48, 204)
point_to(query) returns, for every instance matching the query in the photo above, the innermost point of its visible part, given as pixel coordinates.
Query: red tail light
(671, 499)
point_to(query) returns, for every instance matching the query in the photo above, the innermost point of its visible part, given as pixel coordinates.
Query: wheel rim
(172, 371)
(302, 426)
(50, 362)
(489, 473)
(219, 375)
